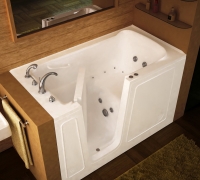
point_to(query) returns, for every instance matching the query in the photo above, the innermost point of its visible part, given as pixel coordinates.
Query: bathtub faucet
(42, 82)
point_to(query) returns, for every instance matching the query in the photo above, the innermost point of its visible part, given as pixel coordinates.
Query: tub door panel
(71, 142)
(149, 107)
(72, 147)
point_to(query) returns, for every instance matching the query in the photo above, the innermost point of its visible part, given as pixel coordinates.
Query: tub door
(71, 134)
(80, 94)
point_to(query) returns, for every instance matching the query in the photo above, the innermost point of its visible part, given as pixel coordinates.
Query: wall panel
(54, 39)
(179, 38)
(185, 39)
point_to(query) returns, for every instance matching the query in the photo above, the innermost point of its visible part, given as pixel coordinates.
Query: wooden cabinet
(40, 131)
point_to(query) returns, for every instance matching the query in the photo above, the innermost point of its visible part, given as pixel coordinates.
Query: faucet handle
(34, 66)
(34, 82)
(51, 99)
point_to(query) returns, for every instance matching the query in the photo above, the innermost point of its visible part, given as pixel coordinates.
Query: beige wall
(52, 40)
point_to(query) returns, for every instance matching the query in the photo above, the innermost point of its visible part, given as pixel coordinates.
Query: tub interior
(105, 62)
(106, 65)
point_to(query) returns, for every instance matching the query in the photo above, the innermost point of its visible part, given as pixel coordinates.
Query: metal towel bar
(4, 97)
(24, 124)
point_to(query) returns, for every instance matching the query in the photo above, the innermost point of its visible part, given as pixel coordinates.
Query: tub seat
(111, 83)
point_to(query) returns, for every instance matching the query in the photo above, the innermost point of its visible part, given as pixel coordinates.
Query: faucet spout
(42, 82)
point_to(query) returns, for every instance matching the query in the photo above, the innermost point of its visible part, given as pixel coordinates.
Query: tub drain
(105, 112)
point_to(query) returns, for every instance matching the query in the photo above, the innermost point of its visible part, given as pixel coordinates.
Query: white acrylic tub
(101, 68)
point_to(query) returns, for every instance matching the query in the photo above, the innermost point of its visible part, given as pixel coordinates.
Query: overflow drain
(97, 149)
(105, 112)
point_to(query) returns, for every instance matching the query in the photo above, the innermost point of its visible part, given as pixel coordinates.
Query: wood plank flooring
(12, 168)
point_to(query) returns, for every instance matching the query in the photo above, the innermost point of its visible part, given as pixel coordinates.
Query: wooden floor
(12, 168)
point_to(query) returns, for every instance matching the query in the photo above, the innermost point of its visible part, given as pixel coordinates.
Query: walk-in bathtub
(111, 93)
